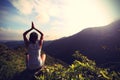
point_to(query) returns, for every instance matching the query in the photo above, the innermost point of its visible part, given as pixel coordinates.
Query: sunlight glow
(81, 14)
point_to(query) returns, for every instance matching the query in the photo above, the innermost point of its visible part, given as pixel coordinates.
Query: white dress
(35, 60)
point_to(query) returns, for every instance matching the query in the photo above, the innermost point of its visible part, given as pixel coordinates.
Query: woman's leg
(43, 57)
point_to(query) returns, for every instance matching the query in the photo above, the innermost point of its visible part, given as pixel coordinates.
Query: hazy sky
(55, 18)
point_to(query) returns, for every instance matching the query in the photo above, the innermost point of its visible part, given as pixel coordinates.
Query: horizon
(46, 15)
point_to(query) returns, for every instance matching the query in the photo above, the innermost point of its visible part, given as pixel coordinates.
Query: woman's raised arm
(41, 38)
(25, 37)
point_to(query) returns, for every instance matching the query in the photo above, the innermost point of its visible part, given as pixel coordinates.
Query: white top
(35, 60)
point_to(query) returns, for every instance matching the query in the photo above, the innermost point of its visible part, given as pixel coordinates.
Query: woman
(34, 59)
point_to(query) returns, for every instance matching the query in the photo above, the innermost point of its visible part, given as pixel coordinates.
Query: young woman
(34, 59)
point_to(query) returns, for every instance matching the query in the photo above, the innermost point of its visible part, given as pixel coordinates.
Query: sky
(55, 18)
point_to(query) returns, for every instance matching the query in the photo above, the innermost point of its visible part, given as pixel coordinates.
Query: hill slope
(101, 44)
(12, 61)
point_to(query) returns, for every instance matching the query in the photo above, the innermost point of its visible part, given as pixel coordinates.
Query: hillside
(12, 67)
(12, 61)
(101, 44)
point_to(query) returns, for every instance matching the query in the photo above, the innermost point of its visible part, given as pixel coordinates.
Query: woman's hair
(33, 37)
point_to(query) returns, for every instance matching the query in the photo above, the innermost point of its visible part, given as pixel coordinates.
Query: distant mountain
(101, 44)
(15, 44)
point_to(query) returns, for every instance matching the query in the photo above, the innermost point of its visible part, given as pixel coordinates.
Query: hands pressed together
(33, 27)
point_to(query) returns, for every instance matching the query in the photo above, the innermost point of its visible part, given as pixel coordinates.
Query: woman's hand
(33, 26)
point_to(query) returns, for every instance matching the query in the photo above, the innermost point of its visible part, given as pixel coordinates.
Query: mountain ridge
(98, 43)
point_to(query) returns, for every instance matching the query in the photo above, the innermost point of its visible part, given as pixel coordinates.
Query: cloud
(60, 18)
(44, 9)
(56, 23)
(24, 6)
(10, 34)
(43, 18)
(10, 19)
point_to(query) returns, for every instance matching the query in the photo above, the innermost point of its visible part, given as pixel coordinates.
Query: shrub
(10, 63)
(82, 69)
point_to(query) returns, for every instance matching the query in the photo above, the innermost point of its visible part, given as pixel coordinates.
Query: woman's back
(34, 52)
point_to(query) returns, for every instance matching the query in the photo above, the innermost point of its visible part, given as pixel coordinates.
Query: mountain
(101, 44)
(15, 44)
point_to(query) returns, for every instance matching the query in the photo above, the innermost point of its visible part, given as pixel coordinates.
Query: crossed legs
(43, 57)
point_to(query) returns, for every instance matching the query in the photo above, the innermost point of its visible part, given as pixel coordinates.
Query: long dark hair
(33, 37)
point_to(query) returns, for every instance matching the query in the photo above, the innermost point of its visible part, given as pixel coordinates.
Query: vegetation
(81, 69)
(12, 63)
